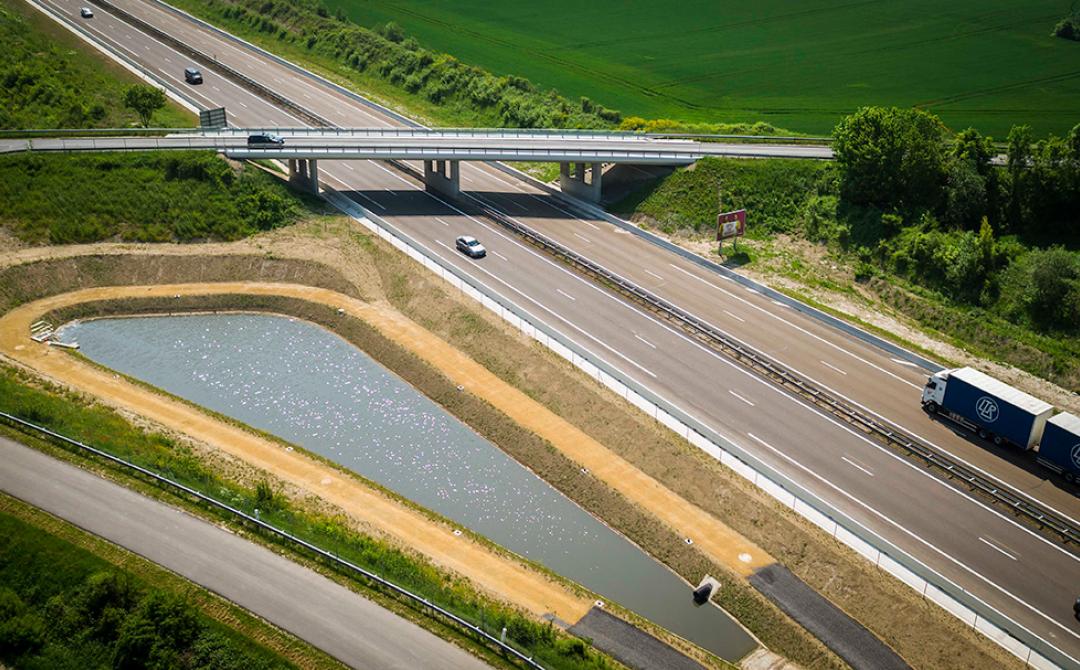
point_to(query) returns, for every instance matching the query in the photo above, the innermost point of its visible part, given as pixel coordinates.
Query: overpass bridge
(581, 154)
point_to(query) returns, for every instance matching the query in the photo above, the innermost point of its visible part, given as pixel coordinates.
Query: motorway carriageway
(1031, 579)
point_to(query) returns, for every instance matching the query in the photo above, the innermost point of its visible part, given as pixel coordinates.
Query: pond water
(309, 387)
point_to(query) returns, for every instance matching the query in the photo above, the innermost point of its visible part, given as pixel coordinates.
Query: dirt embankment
(924, 635)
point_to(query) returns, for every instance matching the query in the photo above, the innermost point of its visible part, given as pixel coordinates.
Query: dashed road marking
(735, 316)
(655, 275)
(996, 548)
(644, 340)
(566, 294)
(583, 237)
(856, 465)
(830, 365)
(740, 398)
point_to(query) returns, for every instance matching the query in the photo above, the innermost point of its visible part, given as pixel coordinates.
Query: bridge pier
(581, 180)
(443, 177)
(304, 173)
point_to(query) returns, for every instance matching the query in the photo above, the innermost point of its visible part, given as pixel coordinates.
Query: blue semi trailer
(1059, 448)
(998, 412)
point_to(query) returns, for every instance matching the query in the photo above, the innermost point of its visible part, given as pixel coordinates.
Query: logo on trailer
(987, 409)
(1076, 456)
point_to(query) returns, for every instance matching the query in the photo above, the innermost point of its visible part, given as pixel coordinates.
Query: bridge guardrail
(1035, 651)
(284, 535)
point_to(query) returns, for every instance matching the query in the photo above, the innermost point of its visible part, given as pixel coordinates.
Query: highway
(1031, 579)
(329, 616)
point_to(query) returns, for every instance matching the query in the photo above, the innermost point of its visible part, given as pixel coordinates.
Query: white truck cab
(934, 392)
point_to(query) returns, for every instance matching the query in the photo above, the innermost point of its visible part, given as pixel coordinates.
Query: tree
(971, 146)
(891, 158)
(145, 100)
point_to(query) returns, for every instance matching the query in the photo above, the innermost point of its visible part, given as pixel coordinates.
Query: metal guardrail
(888, 553)
(959, 594)
(780, 374)
(892, 435)
(244, 516)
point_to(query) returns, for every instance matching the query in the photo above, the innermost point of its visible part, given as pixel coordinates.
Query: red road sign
(731, 224)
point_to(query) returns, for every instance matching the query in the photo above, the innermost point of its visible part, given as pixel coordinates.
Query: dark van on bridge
(192, 75)
(265, 140)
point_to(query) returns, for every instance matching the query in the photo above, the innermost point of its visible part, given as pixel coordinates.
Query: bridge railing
(516, 133)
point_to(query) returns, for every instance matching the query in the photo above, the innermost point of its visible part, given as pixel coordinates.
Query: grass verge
(80, 418)
(925, 636)
(52, 79)
(72, 596)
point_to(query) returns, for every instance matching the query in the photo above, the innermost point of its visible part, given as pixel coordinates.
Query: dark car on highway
(470, 246)
(265, 140)
(192, 75)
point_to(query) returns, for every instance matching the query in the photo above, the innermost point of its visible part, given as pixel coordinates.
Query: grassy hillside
(799, 226)
(51, 79)
(795, 65)
(147, 197)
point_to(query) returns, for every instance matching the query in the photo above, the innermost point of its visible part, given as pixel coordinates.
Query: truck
(1059, 449)
(1007, 416)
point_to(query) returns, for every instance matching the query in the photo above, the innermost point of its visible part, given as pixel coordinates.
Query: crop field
(797, 65)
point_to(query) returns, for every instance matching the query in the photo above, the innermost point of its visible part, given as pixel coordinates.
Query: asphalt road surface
(308, 605)
(1033, 580)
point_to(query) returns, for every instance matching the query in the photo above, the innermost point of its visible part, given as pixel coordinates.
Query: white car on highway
(470, 246)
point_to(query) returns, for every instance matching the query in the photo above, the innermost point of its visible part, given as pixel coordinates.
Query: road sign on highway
(212, 118)
(731, 224)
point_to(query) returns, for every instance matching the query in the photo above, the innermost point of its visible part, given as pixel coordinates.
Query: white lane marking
(349, 167)
(564, 211)
(556, 315)
(396, 176)
(491, 173)
(167, 59)
(881, 448)
(500, 255)
(442, 222)
(781, 304)
(995, 547)
(466, 177)
(830, 365)
(559, 290)
(951, 559)
(644, 340)
(740, 398)
(907, 532)
(390, 192)
(903, 362)
(305, 95)
(655, 275)
(795, 326)
(242, 104)
(583, 237)
(735, 316)
(951, 453)
(369, 199)
(856, 465)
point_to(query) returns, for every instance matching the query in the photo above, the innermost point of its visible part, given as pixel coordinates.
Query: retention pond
(302, 383)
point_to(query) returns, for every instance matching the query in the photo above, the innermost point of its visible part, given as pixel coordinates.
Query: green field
(796, 65)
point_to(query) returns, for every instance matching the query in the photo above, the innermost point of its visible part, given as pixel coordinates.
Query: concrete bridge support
(304, 173)
(581, 180)
(443, 177)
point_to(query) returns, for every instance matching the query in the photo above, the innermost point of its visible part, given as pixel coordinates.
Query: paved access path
(327, 615)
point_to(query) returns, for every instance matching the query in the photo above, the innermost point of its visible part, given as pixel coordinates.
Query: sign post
(730, 225)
